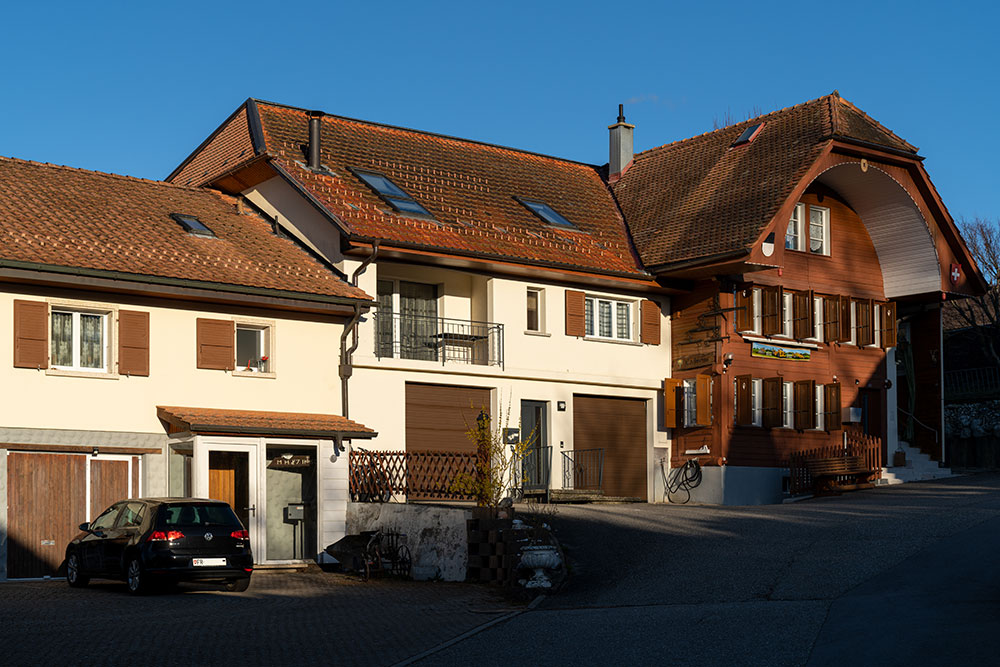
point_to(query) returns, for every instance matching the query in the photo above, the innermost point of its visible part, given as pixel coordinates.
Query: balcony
(403, 336)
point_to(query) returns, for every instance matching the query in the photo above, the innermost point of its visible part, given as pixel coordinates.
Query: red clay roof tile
(256, 422)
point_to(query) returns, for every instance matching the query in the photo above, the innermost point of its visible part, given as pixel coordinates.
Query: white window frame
(787, 405)
(757, 401)
(876, 326)
(786, 314)
(854, 322)
(690, 403)
(819, 400)
(817, 319)
(795, 222)
(267, 345)
(593, 303)
(541, 330)
(825, 214)
(109, 315)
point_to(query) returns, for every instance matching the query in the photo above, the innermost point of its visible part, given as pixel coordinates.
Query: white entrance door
(229, 473)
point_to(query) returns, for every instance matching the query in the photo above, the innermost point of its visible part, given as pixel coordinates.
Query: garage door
(617, 425)
(47, 501)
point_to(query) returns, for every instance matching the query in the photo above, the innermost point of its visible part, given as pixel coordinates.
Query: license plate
(208, 562)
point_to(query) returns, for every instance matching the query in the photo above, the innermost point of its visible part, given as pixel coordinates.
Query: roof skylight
(192, 225)
(748, 135)
(546, 213)
(392, 193)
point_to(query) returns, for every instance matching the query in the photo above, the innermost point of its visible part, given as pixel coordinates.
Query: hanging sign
(768, 351)
(286, 461)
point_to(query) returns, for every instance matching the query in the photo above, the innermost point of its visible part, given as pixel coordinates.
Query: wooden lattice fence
(868, 447)
(427, 475)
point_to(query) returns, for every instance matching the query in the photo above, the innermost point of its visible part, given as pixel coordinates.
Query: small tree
(498, 459)
(982, 313)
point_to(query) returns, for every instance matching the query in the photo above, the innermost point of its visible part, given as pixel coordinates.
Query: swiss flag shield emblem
(956, 273)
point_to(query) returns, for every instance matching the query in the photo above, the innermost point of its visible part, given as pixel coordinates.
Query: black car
(162, 540)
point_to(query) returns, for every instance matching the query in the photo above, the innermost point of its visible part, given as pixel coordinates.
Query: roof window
(546, 213)
(391, 193)
(192, 225)
(748, 135)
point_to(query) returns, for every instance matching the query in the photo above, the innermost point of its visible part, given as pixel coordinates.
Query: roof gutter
(690, 263)
(305, 433)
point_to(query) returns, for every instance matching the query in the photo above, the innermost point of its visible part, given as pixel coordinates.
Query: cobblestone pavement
(286, 618)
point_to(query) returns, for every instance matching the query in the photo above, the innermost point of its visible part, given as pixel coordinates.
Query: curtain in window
(419, 335)
(624, 321)
(384, 320)
(62, 339)
(604, 319)
(91, 341)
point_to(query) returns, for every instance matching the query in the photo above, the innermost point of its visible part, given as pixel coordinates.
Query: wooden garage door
(619, 426)
(438, 416)
(46, 501)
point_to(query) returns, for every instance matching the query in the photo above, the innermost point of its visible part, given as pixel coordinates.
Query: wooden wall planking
(108, 484)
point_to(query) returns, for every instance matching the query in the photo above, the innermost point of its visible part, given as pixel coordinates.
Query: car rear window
(193, 514)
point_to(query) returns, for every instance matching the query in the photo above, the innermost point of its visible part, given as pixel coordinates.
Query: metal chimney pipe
(314, 139)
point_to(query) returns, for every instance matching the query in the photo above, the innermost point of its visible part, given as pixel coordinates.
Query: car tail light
(240, 535)
(160, 536)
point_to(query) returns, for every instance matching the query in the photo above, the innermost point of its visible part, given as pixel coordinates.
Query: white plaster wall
(305, 355)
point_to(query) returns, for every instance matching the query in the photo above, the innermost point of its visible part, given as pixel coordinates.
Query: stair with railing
(919, 467)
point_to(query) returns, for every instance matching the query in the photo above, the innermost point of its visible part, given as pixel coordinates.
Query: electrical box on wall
(852, 415)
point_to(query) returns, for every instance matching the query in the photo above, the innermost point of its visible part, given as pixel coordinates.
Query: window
(79, 340)
(793, 236)
(698, 401)
(253, 348)
(788, 405)
(546, 213)
(748, 135)
(818, 423)
(107, 518)
(817, 330)
(192, 225)
(748, 401)
(876, 330)
(535, 310)
(786, 320)
(608, 318)
(819, 230)
(407, 320)
(392, 193)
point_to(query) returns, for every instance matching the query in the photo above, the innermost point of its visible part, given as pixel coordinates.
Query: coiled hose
(682, 479)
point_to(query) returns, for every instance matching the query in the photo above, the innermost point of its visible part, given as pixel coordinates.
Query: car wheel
(74, 571)
(238, 585)
(136, 577)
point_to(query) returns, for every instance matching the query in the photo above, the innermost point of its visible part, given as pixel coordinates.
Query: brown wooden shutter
(31, 334)
(805, 405)
(802, 315)
(216, 342)
(744, 309)
(649, 329)
(832, 318)
(575, 321)
(771, 402)
(744, 400)
(888, 324)
(844, 336)
(831, 407)
(771, 301)
(671, 415)
(866, 334)
(133, 342)
(703, 408)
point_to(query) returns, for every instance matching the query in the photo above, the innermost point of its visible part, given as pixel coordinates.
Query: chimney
(314, 142)
(621, 147)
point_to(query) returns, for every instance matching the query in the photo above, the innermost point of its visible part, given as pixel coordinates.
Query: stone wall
(972, 432)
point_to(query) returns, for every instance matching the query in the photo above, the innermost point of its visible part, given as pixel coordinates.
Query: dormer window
(392, 193)
(193, 225)
(546, 213)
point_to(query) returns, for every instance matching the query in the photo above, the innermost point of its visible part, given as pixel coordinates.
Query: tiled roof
(256, 422)
(468, 187)
(59, 216)
(699, 198)
(226, 148)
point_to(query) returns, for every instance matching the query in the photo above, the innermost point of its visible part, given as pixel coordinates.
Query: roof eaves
(877, 147)
(206, 142)
(698, 261)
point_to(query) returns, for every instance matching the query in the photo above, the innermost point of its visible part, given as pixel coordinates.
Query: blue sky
(133, 87)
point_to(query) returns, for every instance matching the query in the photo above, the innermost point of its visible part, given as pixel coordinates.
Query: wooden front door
(618, 426)
(109, 483)
(229, 481)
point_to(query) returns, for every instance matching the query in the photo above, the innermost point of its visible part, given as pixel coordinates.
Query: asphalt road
(899, 575)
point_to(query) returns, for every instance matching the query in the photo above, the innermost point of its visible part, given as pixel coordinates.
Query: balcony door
(407, 320)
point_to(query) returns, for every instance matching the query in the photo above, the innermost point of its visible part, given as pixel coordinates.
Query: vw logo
(208, 537)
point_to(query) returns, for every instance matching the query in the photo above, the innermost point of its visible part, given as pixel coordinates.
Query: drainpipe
(346, 354)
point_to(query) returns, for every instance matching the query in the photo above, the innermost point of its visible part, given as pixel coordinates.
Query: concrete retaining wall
(435, 534)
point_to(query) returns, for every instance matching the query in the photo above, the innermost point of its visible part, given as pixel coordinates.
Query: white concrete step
(919, 467)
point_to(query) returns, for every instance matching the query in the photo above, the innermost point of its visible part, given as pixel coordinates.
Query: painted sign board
(768, 351)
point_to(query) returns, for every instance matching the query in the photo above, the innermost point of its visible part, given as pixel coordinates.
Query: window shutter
(216, 340)
(744, 406)
(832, 318)
(831, 407)
(649, 329)
(31, 334)
(744, 309)
(889, 324)
(671, 416)
(805, 402)
(802, 315)
(575, 321)
(771, 302)
(703, 409)
(133, 342)
(866, 335)
(771, 402)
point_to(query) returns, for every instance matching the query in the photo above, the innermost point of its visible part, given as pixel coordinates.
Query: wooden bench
(825, 472)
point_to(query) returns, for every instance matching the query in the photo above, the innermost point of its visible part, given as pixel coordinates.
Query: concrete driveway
(900, 575)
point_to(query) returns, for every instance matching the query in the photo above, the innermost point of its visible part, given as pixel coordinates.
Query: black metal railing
(402, 336)
(534, 471)
(583, 469)
(972, 383)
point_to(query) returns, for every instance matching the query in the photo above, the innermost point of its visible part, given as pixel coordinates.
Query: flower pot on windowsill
(899, 459)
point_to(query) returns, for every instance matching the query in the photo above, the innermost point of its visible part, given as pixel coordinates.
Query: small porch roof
(260, 423)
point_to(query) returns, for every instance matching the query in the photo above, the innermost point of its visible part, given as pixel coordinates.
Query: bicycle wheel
(403, 562)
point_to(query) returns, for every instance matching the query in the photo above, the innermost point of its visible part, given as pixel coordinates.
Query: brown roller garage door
(619, 426)
(438, 416)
